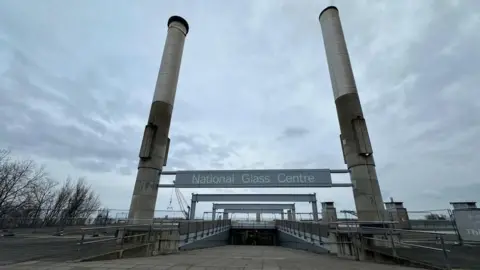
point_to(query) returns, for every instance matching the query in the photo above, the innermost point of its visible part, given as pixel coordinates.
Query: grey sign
(253, 178)
(468, 224)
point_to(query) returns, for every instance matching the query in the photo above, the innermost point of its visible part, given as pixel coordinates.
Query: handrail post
(188, 233)
(150, 229)
(124, 232)
(81, 240)
(394, 250)
(320, 241)
(445, 255)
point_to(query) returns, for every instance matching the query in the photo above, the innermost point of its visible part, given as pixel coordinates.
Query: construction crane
(182, 203)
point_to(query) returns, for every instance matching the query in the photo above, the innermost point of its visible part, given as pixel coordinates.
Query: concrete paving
(226, 257)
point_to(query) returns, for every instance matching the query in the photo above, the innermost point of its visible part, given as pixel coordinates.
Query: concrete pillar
(289, 214)
(282, 215)
(192, 209)
(329, 212)
(155, 143)
(214, 212)
(258, 217)
(315, 210)
(294, 216)
(225, 215)
(354, 138)
(397, 213)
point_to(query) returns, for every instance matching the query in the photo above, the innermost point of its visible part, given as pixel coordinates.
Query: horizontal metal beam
(201, 171)
(254, 197)
(342, 185)
(252, 211)
(256, 206)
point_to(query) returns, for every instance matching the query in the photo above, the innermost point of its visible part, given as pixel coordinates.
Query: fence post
(149, 236)
(304, 231)
(81, 240)
(123, 237)
(394, 250)
(445, 255)
(196, 229)
(320, 241)
(188, 232)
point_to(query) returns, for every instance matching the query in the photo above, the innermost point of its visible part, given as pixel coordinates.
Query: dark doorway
(253, 237)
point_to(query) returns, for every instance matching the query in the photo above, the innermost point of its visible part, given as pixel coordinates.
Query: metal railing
(435, 250)
(303, 228)
(424, 248)
(111, 238)
(105, 234)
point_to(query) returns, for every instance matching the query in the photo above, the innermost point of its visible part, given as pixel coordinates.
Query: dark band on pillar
(327, 8)
(179, 20)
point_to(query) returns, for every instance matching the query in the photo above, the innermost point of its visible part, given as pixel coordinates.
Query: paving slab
(225, 258)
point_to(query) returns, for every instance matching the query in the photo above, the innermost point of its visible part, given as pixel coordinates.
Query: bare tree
(55, 213)
(82, 203)
(29, 197)
(42, 195)
(16, 178)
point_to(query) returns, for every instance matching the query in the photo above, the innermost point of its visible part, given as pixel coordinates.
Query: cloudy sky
(77, 79)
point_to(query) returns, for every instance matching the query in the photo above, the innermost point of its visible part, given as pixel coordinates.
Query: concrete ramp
(227, 257)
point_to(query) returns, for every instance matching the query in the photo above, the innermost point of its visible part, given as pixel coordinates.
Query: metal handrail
(406, 244)
(95, 241)
(403, 230)
(113, 227)
(390, 232)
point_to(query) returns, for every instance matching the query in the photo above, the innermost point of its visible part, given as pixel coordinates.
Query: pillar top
(394, 205)
(327, 8)
(181, 20)
(459, 205)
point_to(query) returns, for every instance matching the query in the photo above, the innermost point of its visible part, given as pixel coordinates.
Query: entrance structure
(311, 198)
(354, 138)
(254, 208)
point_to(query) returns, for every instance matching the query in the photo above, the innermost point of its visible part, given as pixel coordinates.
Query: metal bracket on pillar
(147, 142)
(166, 152)
(364, 147)
(343, 149)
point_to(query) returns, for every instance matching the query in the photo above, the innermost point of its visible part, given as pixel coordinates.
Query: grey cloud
(294, 132)
(438, 198)
(127, 171)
